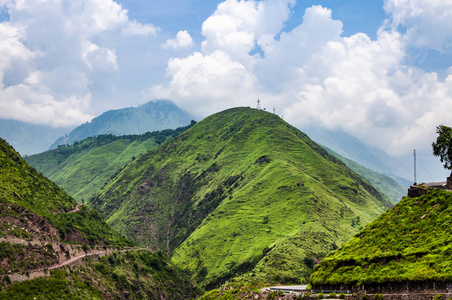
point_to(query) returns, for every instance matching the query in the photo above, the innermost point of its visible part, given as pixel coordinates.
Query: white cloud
(202, 84)
(56, 53)
(135, 28)
(427, 22)
(318, 77)
(182, 40)
(237, 27)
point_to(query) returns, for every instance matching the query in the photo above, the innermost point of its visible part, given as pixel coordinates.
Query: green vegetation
(26, 194)
(83, 168)
(131, 275)
(383, 183)
(242, 194)
(411, 242)
(151, 116)
(443, 145)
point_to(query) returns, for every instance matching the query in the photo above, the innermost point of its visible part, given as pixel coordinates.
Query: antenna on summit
(258, 104)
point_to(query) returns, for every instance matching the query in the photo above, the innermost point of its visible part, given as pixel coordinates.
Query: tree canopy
(443, 145)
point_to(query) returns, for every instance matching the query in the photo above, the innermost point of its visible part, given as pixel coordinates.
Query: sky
(379, 70)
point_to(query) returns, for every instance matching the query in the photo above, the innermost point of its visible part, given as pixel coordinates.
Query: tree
(443, 145)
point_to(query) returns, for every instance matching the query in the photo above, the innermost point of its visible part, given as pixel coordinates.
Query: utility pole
(414, 152)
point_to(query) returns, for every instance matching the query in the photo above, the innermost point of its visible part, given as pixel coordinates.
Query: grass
(411, 242)
(25, 192)
(383, 183)
(238, 183)
(83, 168)
(131, 275)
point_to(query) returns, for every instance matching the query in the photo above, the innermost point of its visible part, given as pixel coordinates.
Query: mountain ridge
(220, 162)
(151, 116)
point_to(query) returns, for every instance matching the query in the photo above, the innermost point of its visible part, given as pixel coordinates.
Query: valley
(238, 201)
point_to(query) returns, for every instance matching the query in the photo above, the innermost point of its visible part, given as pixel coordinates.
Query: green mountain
(151, 116)
(412, 242)
(131, 275)
(240, 194)
(383, 183)
(83, 168)
(24, 191)
(43, 231)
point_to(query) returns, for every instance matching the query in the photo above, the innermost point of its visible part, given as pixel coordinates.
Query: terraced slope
(28, 200)
(410, 243)
(83, 168)
(241, 193)
(43, 231)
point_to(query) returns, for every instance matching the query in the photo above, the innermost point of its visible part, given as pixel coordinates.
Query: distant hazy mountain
(400, 169)
(151, 116)
(27, 138)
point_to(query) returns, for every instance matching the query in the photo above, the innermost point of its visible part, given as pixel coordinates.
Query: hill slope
(27, 197)
(383, 183)
(151, 116)
(237, 188)
(409, 243)
(83, 168)
(42, 232)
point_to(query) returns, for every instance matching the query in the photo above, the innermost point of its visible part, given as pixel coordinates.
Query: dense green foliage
(25, 191)
(151, 116)
(411, 242)
(238, 191)
(83, 168)
(383, 183)
(443, 145)
(131, 275)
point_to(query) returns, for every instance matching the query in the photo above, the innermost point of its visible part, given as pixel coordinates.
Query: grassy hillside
(130, 275)
(83, 168)
(42, 230)
(411, 242)
(383, 183)
(27, 197)
(240, 192)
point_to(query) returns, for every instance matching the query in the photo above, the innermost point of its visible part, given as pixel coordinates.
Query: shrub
(321, 296)
(378, 297)
(438, 297)
(365, 297)
(341, 296)
(307, 296)
(332, 295)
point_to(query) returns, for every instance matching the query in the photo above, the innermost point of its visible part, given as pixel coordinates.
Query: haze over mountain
(230, 182)
(151, 116)
(28, 138)
(400, 168)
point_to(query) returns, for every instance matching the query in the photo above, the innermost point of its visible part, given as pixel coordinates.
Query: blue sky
(379, 70)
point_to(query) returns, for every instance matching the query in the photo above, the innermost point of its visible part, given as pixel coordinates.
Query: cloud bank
(60, 59)
(54, 53)
(315, 76)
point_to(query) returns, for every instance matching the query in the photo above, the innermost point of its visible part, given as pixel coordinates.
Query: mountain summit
(242, 192)
(151, 116)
